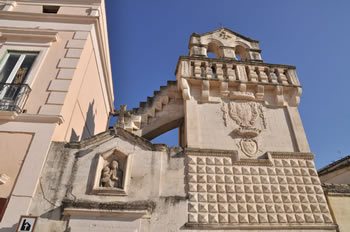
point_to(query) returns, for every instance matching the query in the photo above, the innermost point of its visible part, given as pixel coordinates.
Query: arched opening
(241, 53)
(214, 50)
(213, 71)
(170, 138)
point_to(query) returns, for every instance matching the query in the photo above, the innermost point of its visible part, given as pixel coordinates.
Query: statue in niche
(111, 176)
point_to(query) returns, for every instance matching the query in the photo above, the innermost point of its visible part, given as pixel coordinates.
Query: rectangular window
(14, 69)
(50, 9)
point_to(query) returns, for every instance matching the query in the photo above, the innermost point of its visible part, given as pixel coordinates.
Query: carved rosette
(250, 119)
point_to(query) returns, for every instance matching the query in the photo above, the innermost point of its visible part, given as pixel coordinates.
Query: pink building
(55, 85)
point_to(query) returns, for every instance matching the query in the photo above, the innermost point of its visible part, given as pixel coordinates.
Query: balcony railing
(13, 96)
(231, 70)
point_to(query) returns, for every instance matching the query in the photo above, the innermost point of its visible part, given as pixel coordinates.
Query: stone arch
(215, 47)
(242, 53)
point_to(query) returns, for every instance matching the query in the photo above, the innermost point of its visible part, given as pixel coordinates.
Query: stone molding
(108, 213)
(336, 189)
(148, 206)
(29, 34)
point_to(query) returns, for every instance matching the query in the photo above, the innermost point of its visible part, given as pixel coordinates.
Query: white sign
(26, 224)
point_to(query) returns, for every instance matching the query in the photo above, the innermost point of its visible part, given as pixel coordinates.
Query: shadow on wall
(89, 125)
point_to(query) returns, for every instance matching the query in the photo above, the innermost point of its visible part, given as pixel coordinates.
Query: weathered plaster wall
(157, 179)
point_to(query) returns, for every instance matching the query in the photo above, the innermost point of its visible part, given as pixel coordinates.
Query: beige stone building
(243, 161)
(335, 179)
(55, 85)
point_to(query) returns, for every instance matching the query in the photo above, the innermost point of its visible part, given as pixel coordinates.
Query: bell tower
(248, 162)
(235, 101)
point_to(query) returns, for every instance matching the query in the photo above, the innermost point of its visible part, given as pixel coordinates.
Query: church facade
(243, 162)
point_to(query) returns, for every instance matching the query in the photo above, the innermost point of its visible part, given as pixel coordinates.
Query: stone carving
(111, 176)
(246, 115)
(112, 173)
(186, 72)
(249, 146)
(127, 120)
(224, 35)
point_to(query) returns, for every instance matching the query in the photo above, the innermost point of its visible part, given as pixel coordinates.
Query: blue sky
(147, 37)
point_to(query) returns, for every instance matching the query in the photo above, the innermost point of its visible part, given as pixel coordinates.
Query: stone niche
(112, 171)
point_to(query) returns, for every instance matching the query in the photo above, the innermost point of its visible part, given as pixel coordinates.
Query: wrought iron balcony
(13, 96)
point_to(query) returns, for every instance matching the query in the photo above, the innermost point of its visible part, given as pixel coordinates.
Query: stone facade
(243, 164)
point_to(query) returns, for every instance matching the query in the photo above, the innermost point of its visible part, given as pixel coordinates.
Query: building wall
(340, 176)
(73, 55)
(157, 179)
(47, 73)
(85, 110)
(11, 161)
(206, 127)
(341, 210)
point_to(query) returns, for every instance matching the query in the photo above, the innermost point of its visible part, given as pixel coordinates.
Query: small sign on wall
(26, 224)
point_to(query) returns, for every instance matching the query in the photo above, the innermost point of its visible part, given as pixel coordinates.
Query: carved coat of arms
(249, 117)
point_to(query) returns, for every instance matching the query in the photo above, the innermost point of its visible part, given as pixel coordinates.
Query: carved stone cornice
(237, 80)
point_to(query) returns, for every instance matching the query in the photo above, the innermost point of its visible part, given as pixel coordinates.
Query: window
(3, 203)
(50, 9)
(14, 69)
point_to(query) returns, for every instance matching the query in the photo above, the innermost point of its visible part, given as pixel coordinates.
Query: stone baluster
(262, 74)
(252, 75)
(231, 72)
(219, 72)
(273, 76)
(281, 77)
(208, 71)
(197, 69)
(241, 73)
(292, 77)
(185, 68)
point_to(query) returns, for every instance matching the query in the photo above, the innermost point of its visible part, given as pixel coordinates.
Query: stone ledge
(130, 214)
(148, 206)
(317, 227)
